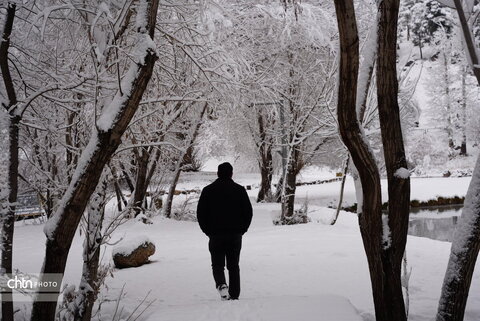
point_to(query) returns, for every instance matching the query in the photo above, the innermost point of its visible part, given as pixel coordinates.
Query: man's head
(225, 170)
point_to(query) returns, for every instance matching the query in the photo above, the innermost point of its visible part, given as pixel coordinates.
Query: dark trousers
(226, 247)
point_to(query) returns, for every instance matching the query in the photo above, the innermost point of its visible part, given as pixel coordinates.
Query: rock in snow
(133, 252)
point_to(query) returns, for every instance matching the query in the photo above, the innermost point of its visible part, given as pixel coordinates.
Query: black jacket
(224, 208)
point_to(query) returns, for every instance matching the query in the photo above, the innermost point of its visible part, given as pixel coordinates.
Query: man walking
(224, 213)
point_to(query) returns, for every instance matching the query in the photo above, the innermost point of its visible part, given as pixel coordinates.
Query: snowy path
(304, 263)
(281, 308)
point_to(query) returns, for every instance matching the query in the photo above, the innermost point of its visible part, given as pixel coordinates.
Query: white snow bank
(422, 189)
(127, 246)
(283, 308)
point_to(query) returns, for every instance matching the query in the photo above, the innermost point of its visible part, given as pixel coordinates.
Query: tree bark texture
(141, 184)
(382, 258)
(265, 162)
(89, 284)
(394, 154)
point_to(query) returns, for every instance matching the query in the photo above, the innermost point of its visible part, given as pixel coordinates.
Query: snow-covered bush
(72, 296)
(186, 211)
(299, 216)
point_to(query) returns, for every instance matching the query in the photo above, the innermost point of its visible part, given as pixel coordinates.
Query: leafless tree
(106, 137)
(384, 236)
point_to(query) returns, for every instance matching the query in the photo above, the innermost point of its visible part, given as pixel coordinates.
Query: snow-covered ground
(296, 272)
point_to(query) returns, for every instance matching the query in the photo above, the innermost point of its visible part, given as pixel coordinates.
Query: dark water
(434, 223)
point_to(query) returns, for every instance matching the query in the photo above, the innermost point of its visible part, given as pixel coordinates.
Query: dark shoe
(223, 290)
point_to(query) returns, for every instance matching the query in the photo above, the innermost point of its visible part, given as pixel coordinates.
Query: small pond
(436, 223)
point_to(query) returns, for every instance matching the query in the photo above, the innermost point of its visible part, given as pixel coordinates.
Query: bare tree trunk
(265, 163)
(288, 205)
(366, 68)
(266, 172)
(369, 203)
(118, 195)
(8, 200)
(61, 227)
(381, 250)
(89, 285)
(141, 186)
(127, 178)
(167, 210)
(278, 190)
(466, 241)
(395, 160)
(144, 176)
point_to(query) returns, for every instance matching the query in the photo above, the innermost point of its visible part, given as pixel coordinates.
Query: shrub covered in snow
(184, 215)
(299, 216)
(186, 211)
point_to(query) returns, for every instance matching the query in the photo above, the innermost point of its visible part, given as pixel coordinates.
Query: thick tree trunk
(61, 227)
(395, 160)
(8, 201)
(369, 200)
(381, 250)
